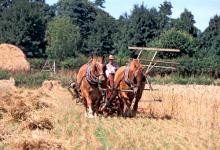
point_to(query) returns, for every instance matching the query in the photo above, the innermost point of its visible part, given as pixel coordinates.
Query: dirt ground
(174, 117)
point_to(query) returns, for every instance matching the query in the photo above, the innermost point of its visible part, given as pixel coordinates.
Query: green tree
(101, 37)
(63, 38)
(186, 22)
(216, 45)
(24, 24)
(121, 39)
(100, 3)
(164, 15)
(82, 13)
(211, 32)
(174, 38)
(138, 29)
(142, 25)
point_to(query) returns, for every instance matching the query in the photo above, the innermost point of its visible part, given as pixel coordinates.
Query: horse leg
(135, 107)
(97, 106)
(89, 107)
(127, 105)
(121, 108)
(85, 105)
(137, 99)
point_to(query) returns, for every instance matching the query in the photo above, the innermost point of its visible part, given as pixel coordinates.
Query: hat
(111, 57)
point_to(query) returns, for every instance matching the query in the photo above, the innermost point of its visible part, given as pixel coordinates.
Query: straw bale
(12, 58)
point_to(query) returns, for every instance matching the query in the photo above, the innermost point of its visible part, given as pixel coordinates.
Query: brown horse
(90, 78)
(132, 79)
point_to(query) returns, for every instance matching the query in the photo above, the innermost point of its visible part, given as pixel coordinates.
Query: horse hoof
(133, 114)
(95, 115)
(91, 116)
(128, 114)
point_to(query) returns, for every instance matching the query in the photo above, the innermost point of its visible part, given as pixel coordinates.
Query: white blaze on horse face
(101, 72)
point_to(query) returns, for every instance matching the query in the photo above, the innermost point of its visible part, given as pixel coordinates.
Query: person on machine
(111, 68)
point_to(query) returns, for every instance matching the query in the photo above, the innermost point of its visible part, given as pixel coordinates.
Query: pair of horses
(91, 87)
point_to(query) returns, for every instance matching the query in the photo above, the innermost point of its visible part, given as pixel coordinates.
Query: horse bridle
(91, 78)
(128, 81)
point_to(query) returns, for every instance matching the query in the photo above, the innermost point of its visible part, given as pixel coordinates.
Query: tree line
(71, 29)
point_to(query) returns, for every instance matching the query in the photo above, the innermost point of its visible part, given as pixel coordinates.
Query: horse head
(98, 68)
(136, 73)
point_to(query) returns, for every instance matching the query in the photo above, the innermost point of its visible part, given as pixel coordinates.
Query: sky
(202, 10)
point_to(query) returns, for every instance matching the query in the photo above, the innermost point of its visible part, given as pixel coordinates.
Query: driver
(111, 68)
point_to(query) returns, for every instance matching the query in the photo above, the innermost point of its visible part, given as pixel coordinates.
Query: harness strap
(127, 80)
(88, 77)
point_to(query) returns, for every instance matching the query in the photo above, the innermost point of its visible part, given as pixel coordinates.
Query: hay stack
(12, 58)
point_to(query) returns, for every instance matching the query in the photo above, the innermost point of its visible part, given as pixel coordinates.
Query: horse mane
(99, 59)
(134, 64)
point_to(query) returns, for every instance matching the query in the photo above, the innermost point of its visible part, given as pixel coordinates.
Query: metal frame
(153, 63)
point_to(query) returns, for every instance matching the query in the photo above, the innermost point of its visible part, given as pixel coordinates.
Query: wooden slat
(160, 61)
(163, 67)
(154, 49)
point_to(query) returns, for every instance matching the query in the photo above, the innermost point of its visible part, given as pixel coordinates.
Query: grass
(197, 105)
(192, 110)
(65, 76)
(35, 79)
(101, 135)
(174, 79)
(26, 79)
(186, 118)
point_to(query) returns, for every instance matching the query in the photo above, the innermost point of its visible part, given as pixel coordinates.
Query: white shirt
(111, 69)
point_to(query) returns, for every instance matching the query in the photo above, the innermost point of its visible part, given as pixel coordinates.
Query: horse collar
(88, 77)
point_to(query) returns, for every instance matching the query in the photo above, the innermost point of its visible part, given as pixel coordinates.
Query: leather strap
(88, 77)
(127, 80)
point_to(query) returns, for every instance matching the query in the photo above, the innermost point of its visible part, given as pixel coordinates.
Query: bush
(122, 57)
(174, 38)
(4, 75)
(74, 63)
(32, 80)
(24, 79)
(63, 38)
(201, 80)
(36, 63)
(199, 66)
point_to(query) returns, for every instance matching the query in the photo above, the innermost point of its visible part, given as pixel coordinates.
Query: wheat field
(196, 105)
(174, 117)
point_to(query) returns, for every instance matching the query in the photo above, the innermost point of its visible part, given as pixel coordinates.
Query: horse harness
(127, 80)
(88, 76)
